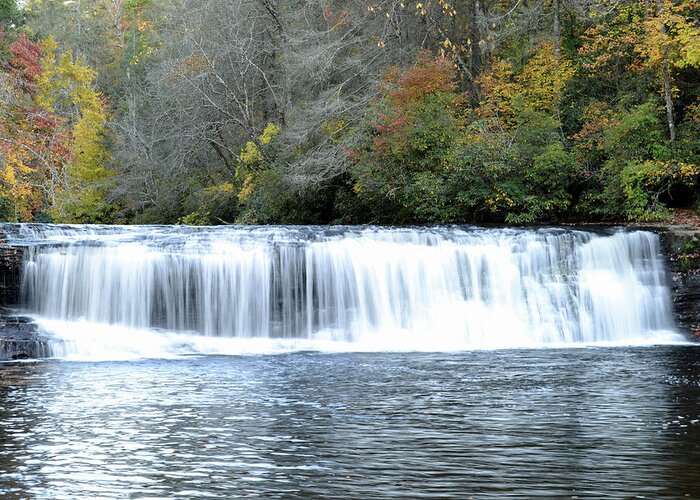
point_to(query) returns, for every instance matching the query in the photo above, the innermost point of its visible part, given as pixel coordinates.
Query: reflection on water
(586, 423)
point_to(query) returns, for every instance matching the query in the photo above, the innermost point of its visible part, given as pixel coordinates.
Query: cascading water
(176, 289)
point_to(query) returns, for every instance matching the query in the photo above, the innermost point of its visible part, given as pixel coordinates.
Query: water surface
(586, 423)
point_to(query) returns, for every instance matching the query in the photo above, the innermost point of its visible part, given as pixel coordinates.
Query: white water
(121, 292)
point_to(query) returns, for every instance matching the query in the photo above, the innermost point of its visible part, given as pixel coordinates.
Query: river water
(541, 423)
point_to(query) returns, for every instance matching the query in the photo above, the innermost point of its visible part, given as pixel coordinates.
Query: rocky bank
(681, 246)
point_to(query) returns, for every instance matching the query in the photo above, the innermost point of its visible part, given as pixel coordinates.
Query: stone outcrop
(20, 338)
(10, 274)
(681, 245)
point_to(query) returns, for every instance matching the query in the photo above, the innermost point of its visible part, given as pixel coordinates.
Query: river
(541, 423)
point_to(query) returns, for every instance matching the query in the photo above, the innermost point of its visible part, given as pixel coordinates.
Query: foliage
(53, 121)
(33, 141)
(671, 34)
(405, 150)
(9, 13)
(348, 112)
(65, 87)
(253, 160)
(217, 204)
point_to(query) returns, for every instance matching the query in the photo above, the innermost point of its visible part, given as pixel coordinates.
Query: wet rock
(681, 245)
(11, 259)
(21, 338)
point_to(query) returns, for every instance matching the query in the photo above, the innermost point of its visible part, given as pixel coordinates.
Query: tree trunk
(275, 109)
(556, 29)
(668, 97)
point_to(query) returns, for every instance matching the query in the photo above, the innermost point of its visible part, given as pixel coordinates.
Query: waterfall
(429, 288)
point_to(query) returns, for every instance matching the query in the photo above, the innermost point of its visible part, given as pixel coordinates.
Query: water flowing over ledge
(133, 291)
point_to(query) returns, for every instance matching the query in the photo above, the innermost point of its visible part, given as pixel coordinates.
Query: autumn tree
(33, 140)
(672, 42)
(405, 154)
(633, 58)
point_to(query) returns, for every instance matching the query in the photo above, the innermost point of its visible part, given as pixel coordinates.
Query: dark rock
(11, 259)
(681, 246)
(21, 338)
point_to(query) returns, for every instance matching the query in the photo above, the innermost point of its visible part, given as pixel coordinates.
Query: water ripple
(585, 423)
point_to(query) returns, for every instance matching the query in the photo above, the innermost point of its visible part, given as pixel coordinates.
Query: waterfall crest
(414, 288)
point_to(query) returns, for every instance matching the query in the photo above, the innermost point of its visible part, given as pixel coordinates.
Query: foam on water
(85, 341)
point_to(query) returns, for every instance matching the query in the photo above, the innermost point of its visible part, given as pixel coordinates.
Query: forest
(348, 111)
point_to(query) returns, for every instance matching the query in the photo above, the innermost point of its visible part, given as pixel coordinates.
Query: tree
(65, 87)
(535, 105)
(405, 153)
(33, 141)
(9, 13)
(672, 41)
